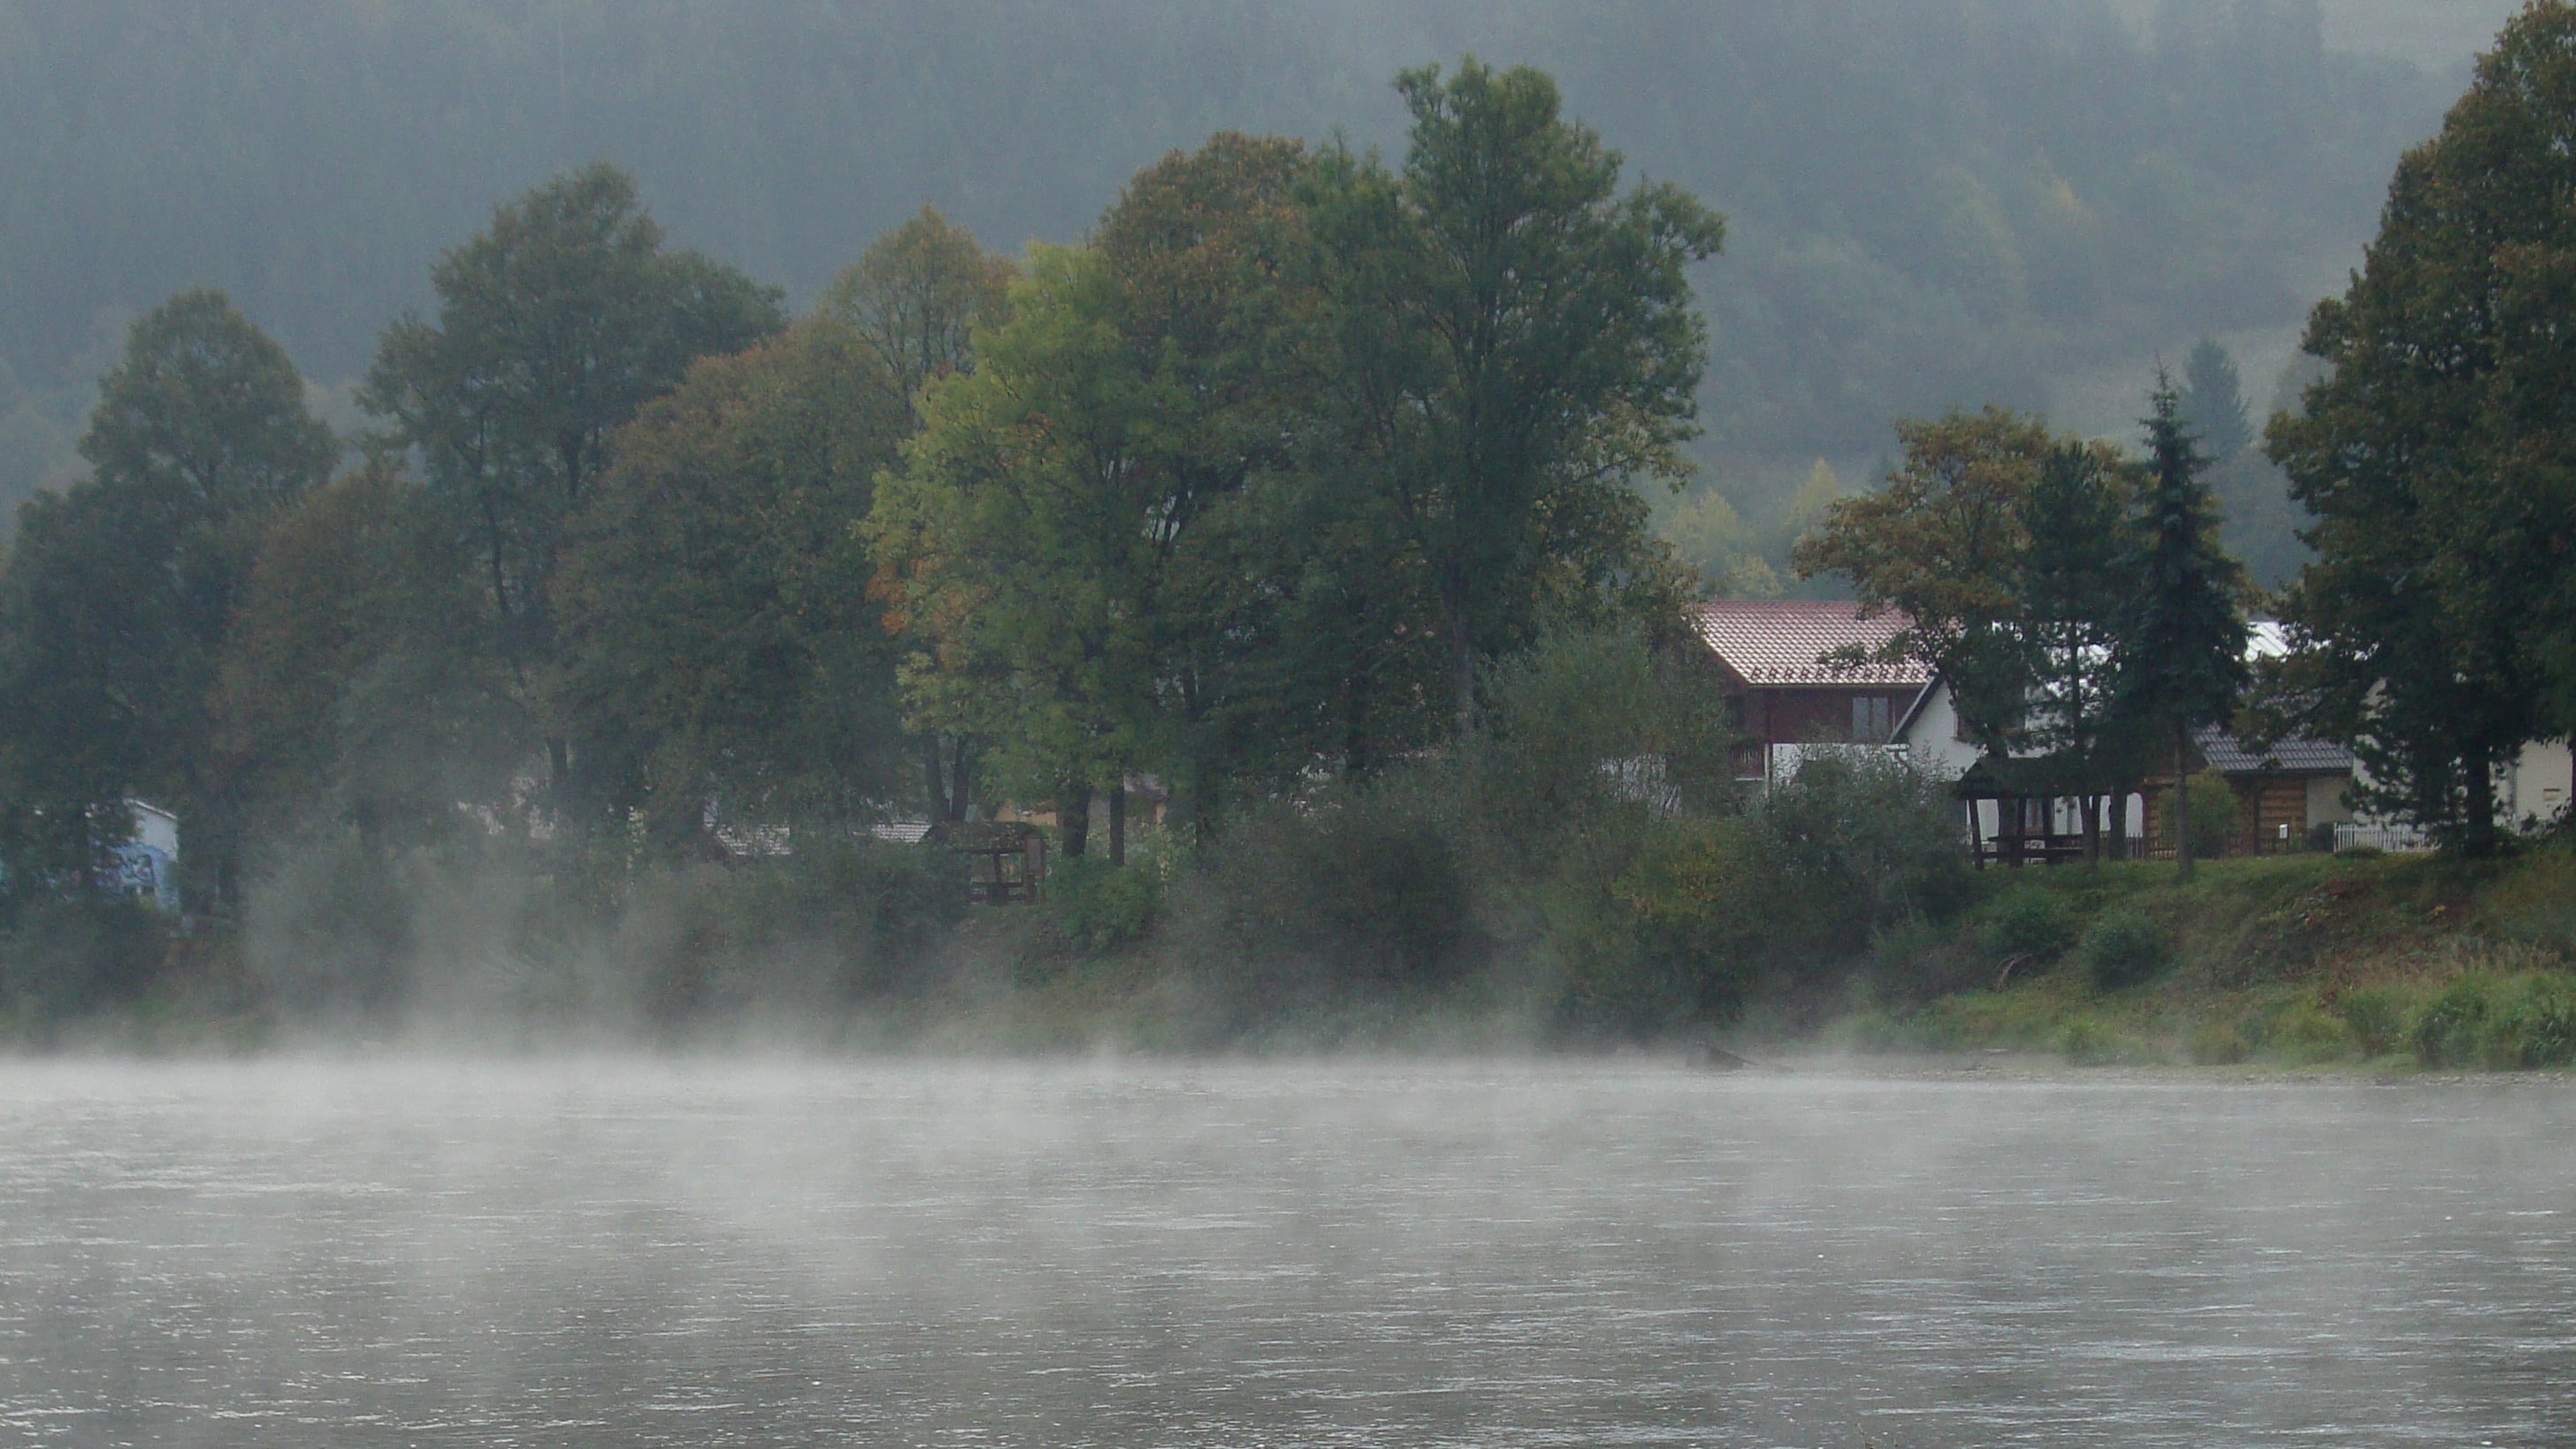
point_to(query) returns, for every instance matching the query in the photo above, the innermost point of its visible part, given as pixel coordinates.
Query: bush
(1372, 888)
(65, 958)
(1709, 907)
(2209, 804)
(2376, 1017)
(2122, 949)
(1093, 908)
(2088, 1041)
(2534, 1025)
(2028, 923)
(2219, 1044)
(2449, 1029)
(1874, 841)
(2301, 1033)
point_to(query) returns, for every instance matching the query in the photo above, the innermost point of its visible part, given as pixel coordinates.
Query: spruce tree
(2183, 662)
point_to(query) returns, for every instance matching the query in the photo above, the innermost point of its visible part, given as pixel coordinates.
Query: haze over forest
(1930, 203)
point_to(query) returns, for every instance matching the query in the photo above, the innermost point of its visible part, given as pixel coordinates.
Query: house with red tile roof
(1784, 667)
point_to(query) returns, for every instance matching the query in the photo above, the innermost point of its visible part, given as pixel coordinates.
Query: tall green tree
(914, 299)
(1509, 347)
(2437, 453)
(720, 646)
(118, 593)
(2073, 601)
(1947, 543)
(2183, 657)
(554, 325)
(1019, 540)
(2213, 402)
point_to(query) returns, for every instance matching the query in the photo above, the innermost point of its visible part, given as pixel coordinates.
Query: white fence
(2396, 839)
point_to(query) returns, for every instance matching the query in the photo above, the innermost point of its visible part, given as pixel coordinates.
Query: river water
(774, 1252)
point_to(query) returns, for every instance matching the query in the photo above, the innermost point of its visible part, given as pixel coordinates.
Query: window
(1869, 718)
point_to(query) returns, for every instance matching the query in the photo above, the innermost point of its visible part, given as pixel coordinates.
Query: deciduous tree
(554, 324)
(119, 591)
(1508, 347)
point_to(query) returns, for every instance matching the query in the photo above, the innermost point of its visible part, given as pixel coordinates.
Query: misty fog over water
(699, 1252)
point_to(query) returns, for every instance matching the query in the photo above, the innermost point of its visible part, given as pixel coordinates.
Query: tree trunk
(2478, 832)
(934, 774)
(961, 777)
(1118, 823)
(1462, 672)
(2117, 828)
(2181, 806)
(559, 770)
(2092, 831)
(1073, 817)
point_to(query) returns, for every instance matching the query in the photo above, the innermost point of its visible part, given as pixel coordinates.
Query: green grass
(2303, 961)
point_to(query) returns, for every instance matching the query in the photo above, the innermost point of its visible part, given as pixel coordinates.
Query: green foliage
(2376, 1016)
(2087, 1040)
(2447, 1030)
(62, 959)
(1505, 344)
(2219, 1044)
(1094, 908)
(2534, 1024)
(2209, 807)
(116, 597)
(2121, 949)
(555, 324)
(2183, 648)
(2211, 403)
(2434, 626)
(718, 641)
(1871, 841)
(1947, 543)
(1372, 888)
(2036, 925)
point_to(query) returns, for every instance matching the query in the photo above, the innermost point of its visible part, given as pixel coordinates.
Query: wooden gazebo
(1007, 858)
(2027, 793)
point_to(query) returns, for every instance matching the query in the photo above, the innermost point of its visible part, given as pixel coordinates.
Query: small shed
(2283, 790)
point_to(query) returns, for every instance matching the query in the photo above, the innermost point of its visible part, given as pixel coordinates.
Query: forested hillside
(1931, 203)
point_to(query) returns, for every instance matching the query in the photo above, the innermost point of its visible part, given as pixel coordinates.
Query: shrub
(1093, 908)
(2376, 1017)
(2122, 949)
(1873, 839)
(2087, 1041)
(2028, 923)
(2301, 1033)
(2218, 1043)
(2534, 902)
(1710, 907)
(1368, 888)
(2534, 1025)
(2209, 804)
(67, 957)
(2448, 1030)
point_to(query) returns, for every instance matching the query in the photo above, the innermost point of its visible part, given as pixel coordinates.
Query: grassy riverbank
(2302, 960)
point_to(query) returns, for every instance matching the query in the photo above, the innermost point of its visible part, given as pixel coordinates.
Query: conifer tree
(2183, 663)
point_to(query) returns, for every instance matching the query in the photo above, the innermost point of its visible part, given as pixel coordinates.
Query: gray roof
(2231, 756)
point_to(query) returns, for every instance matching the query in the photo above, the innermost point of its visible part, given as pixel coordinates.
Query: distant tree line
(2119, 178)
(1243, 493)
